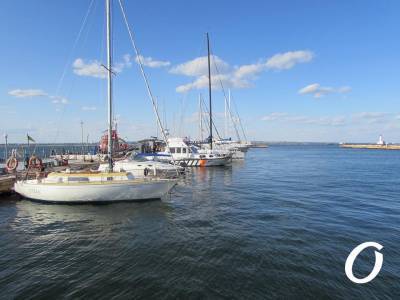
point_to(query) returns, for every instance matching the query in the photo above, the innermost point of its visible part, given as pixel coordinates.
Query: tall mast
(109, 86)
(209, 90)
(200, 119)
(228, 105)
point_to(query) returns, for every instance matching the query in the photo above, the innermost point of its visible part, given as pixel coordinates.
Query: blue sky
(298, 70)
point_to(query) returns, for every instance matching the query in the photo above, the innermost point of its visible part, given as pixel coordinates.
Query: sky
(316, 71)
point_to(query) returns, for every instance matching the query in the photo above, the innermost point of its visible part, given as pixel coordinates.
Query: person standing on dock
(26, 162)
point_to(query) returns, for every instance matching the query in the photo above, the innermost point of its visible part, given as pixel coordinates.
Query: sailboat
(182, 152)
(209, 148)
(98, 186)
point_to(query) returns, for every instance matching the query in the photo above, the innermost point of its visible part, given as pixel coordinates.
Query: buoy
(35, 162)
(202, 163)
(12, 164)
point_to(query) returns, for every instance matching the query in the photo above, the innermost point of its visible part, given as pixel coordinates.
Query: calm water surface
(278, 225)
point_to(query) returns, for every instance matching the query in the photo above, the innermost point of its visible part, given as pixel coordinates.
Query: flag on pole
(30, 138)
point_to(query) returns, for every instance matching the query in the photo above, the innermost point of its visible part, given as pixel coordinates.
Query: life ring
(35, 162)
(12, 164)
(146, 171)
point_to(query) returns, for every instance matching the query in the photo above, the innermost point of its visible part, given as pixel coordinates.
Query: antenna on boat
(209, 90)
(109, 86)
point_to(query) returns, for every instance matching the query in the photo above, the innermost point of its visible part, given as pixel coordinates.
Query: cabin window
(211, 155)
(78, 179)
(202, 156)
(172, 150)
(178, 150)
(183, 150)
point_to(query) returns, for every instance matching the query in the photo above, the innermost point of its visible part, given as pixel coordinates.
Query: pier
(371, 146)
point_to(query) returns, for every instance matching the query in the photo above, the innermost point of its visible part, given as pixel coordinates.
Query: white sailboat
(237, 147)
(106, 186)
(211, 148)
(180, 151)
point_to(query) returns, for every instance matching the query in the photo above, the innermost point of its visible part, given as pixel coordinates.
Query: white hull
(213, 162)
(133, 190)
(238, 155)
(139, 169)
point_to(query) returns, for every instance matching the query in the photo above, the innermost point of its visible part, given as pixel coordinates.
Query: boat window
(193, 150)
(78, 179)
(211, 155)
(172, 150)
(183, 150)
(202, 156)
(178, 150)
(138, 157)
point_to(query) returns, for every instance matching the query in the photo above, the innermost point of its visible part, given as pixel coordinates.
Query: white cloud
(28, 93)
(234, 77)
(301, 119)
(201, 82)
(127, 60)
(319, 91)
(94, 68)
(381, 120)
(249, 70)
(372, 117)
(151, 63)
(287, 60)
(19, 93)
(89, 108)
(199, 66)
(274, 116)
(59, 100)
(344, 89)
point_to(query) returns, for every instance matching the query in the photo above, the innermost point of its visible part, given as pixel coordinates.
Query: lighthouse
(381, 142)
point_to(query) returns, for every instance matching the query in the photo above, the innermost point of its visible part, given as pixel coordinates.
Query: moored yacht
(182, 153)
(139, 166)
(106, 186)
(68, 187)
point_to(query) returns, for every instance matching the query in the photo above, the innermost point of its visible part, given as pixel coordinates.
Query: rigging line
(150, 93)
(74, 46)
(139, 59)
(225, 98)
(78, 37)
(208, 122)
(240, 121)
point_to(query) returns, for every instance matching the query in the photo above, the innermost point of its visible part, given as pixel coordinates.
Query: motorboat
(140, 166)
(180, 152)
